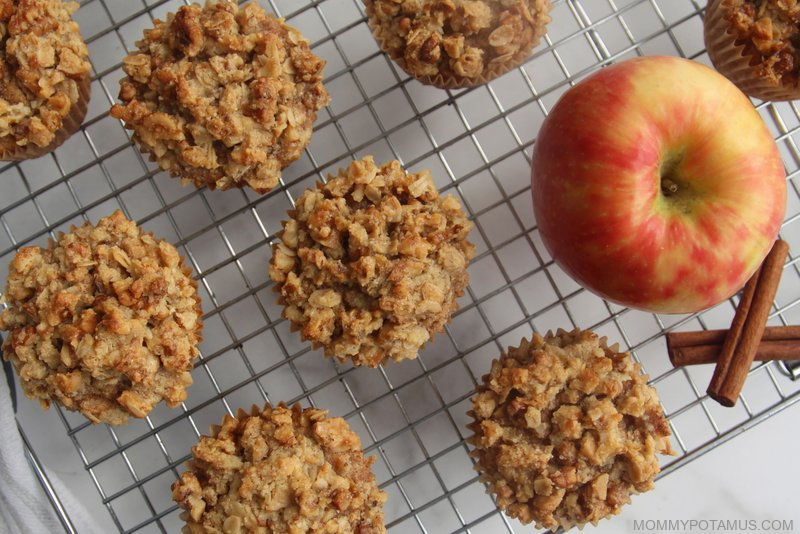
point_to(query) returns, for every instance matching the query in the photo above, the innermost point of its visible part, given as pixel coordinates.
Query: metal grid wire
(477, 143)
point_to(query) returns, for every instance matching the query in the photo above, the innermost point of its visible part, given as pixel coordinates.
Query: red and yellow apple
(657, 185)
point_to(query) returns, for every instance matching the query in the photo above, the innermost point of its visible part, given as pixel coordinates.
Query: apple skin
(603, 164)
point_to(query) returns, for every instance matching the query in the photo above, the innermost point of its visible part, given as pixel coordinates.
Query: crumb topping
(566, 429)
(43, 62)
(369, 265)
(770, 32)
(462, 39)
(222, 96)
(105, 320)
(280, 470)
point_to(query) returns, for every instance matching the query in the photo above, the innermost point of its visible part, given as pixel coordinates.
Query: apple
(657, 185)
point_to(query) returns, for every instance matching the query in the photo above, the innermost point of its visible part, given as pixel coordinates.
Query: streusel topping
(105, 320)
(770, 32)
(43, 61)
(369, 265)
(566, 429)
(280, 470)
(222, 96)
(461, 39)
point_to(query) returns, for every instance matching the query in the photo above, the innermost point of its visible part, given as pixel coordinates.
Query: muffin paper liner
(70, 124)
(731, 59)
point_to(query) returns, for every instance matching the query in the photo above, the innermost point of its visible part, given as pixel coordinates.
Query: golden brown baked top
(770, 33)
(472, 40)
(106, 320)
(566, 429)
(222, 96)
(369, 265)
(43, 60)
(280, 470)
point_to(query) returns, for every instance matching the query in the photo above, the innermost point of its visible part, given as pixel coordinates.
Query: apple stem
(668, 186)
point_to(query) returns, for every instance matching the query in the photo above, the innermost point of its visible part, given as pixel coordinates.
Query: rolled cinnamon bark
(766, 351)
(734, 334)
(704, 346)
(744, 336)
(716, 337)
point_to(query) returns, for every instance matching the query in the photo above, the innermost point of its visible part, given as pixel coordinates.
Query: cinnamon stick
(740, 345)
(704, 346)
(734, 334)
(767, 351)
(716, 337)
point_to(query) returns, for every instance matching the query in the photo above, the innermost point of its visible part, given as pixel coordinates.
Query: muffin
(458, 43)
(280, 470)
(566, 430)
(370, 264)
(45, 77)
(755, 44)
(105, 320)
(222, 96)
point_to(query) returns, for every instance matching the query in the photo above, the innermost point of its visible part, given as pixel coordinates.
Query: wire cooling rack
(477, 142)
